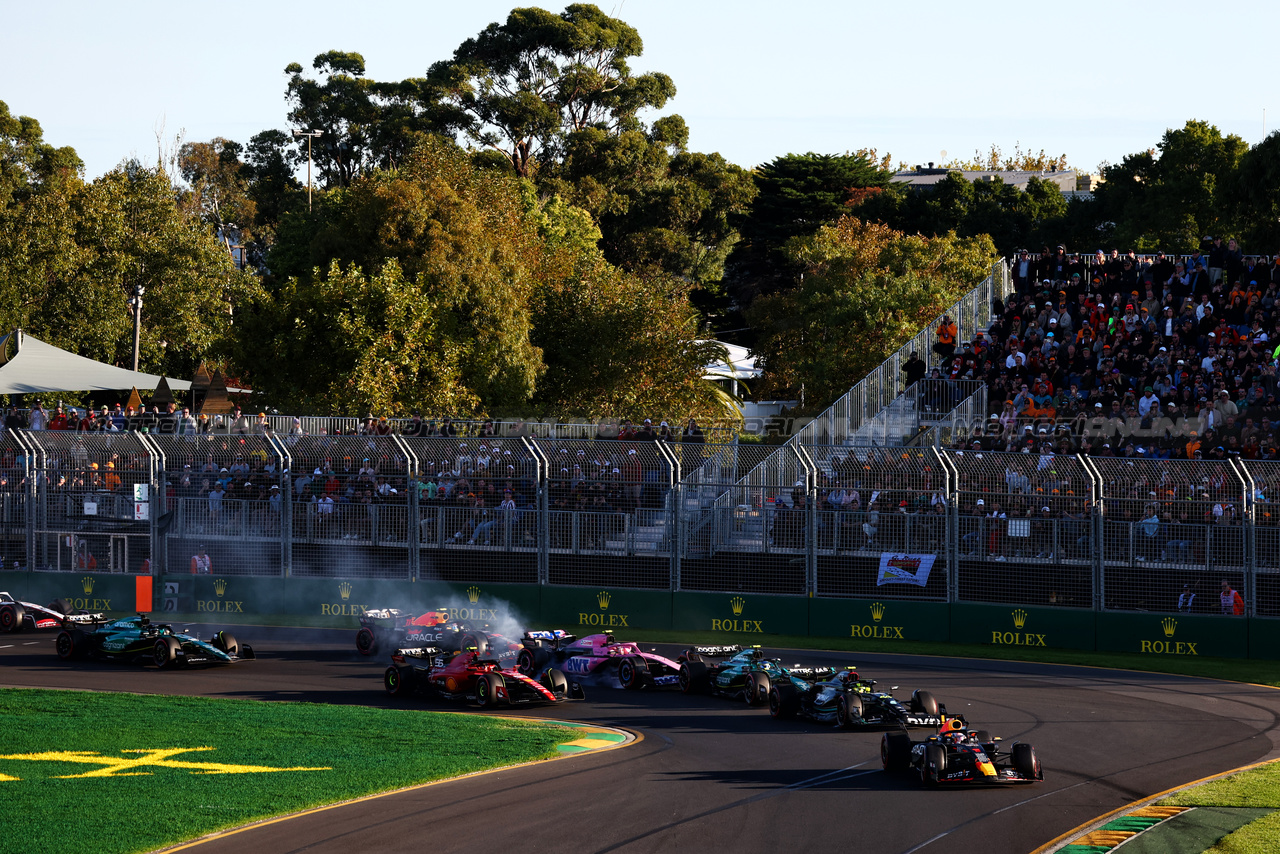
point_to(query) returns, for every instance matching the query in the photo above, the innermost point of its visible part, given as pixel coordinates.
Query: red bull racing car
(17, 616)
(470, 675)
(390, 627)
(596, 656)
(958, 755)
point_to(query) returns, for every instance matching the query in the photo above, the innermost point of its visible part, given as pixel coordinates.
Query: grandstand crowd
(1126, 355)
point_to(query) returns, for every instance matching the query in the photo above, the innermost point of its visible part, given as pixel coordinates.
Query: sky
(928, 81)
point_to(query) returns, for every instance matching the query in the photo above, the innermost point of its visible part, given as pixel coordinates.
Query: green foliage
(796, 195)
(218, 186)
(1013, 218)
(1171, 196)
(866, 289)
(28, 164)
(519, 86)
(1255, 193)
(419, 300)
(363, 751)
(657, 211)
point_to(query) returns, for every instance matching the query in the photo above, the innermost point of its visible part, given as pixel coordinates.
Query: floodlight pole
(136, 302)
(310, 135)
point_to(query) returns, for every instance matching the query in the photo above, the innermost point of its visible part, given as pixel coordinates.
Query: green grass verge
(47, 805)
(1259, 787)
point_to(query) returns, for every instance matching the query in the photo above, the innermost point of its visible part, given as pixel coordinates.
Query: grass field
(106, 773)
(1259, 787)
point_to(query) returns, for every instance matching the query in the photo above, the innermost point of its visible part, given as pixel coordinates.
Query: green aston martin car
(138, 640)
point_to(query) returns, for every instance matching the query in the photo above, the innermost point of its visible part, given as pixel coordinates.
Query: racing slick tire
(632, 671)
(397, 682)
(784, 701)
(366, 641)
(848, 710)
(477, 639)
(1024, 760)
(166, 651)
(12, 616)
(935, 764)
(530, 660)
(895, 751)
(226, 642)
(62, 606)
(69, 644)
(487, 690)
(924, 703)
(756, 691)
(693, 676)
(556, 682)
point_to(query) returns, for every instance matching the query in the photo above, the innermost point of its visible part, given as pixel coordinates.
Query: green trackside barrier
(16, 584)
(91, 591)
(221, 596)
(1264, 638)
(740, 613)
(588, 610)
(1022, 626)
(1173, 634)
(880, 619)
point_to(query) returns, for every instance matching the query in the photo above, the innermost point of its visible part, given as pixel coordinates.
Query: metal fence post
(543, 503)
(412, 533)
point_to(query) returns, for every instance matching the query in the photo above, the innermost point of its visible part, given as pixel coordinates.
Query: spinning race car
(390, 627)
(137, 639)
(745, 674)
(469, 675)
(17, 616)
(595, 656)
(958, 755)
(848, 701)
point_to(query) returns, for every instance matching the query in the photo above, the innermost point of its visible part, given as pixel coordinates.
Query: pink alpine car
(599, 656)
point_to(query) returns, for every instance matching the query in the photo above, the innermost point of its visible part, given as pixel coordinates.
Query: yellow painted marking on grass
(4, 777)
(122, 766)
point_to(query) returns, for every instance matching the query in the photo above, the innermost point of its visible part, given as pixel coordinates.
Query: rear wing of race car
(556, 637)
(716, 651)
(83, 619)
(422, 652)
(811, 674)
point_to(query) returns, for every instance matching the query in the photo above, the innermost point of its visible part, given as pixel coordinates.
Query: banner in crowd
(905, 569)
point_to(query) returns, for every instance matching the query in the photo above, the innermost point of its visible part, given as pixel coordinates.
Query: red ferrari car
(469, 675)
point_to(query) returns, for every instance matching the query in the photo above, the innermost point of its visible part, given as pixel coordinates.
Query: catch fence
(913, 523)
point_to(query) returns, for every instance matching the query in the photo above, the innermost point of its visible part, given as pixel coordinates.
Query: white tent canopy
(37, 366)
(741, 365)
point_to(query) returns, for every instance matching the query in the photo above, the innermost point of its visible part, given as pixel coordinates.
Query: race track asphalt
(715, 775)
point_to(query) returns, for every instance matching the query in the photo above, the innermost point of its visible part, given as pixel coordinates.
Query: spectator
(201, 563)
(1186, 602)
(1232, 602)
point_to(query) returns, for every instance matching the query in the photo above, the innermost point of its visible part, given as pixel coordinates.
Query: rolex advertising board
(736, 614)
(591, 610)
(1165, 635)
(111, 594)
(1022, 626)
(880, 619)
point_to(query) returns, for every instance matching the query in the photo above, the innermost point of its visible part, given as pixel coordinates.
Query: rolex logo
(473, 593)
(345, 590)
(603, 598)
(87, 584)
(737, 603)
(220, 586)
(1019, 618)
(877, 611)
(1170, 626)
